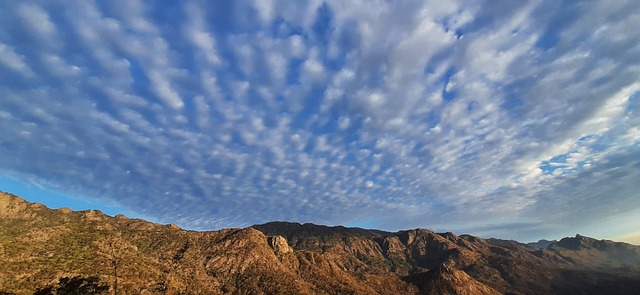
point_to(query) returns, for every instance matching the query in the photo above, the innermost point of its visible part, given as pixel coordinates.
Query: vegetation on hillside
(86, 252)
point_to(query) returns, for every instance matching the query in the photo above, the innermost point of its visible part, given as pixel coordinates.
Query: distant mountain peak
(542, 244)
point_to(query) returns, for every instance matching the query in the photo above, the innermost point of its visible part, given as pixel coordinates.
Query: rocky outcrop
(392, 246)
(447, 279)
(279, 245)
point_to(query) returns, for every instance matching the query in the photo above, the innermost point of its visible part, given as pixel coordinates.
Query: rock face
(279, 245)
(38, 246)
(447, 279)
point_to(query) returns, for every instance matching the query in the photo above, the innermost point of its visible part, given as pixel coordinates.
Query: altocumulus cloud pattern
(507, 118)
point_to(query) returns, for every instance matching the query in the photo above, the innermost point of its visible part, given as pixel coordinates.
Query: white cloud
(344, 123)
(199, 36)
(297, 46)
(612, 108)
(163, 89)
(132, 12)
(265, 9)
(9, 58)
(37, 20)
(312, 72)
(58, 67)
(278, 66)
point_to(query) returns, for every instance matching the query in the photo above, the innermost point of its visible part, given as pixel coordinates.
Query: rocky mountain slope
(38, 246)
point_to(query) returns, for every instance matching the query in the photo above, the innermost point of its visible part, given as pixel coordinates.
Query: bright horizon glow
(631, 238)
(516, 120)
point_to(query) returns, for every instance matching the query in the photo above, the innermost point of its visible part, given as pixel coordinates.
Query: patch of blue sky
(634, 102)
(513, 101)
(555, 163)
(600, 145)
(564, 14)
(548, 40)
(587, 138)
(313, 101)
(322, 28)
(283, 29)
(448, 94)
(346, 39)
(368, 223)
(559, 158)
(293, 71)
(141, 81)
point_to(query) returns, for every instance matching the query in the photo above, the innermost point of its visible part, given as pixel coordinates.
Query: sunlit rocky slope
(38, 246)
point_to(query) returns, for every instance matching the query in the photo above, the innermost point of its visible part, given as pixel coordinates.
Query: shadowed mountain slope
(38, 246)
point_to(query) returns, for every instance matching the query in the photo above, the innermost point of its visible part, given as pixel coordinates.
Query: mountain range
(42, 248)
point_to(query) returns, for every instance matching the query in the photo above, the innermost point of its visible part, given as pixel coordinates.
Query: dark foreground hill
(40, 246)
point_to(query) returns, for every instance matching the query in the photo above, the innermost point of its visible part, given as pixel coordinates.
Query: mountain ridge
(38, 246)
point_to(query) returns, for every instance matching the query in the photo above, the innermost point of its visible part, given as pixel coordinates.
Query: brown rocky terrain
(38, 246)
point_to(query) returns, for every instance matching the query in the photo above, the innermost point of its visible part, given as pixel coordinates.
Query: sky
(509, 119)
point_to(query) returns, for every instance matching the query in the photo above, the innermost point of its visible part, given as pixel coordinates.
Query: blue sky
(512, 119)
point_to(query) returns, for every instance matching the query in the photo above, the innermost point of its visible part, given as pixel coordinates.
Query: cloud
(36, 20)
(199, 36)
(407, 114)
(10, 59)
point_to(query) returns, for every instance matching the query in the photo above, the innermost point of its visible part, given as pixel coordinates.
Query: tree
(115, 258)
(79, 285)
(75, 286)
(174, 263)
(48, 290)
(115, 249)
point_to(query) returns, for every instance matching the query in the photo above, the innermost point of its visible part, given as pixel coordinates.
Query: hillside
(38, 246)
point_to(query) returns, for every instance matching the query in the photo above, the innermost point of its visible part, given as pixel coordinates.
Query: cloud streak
(478, 117)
